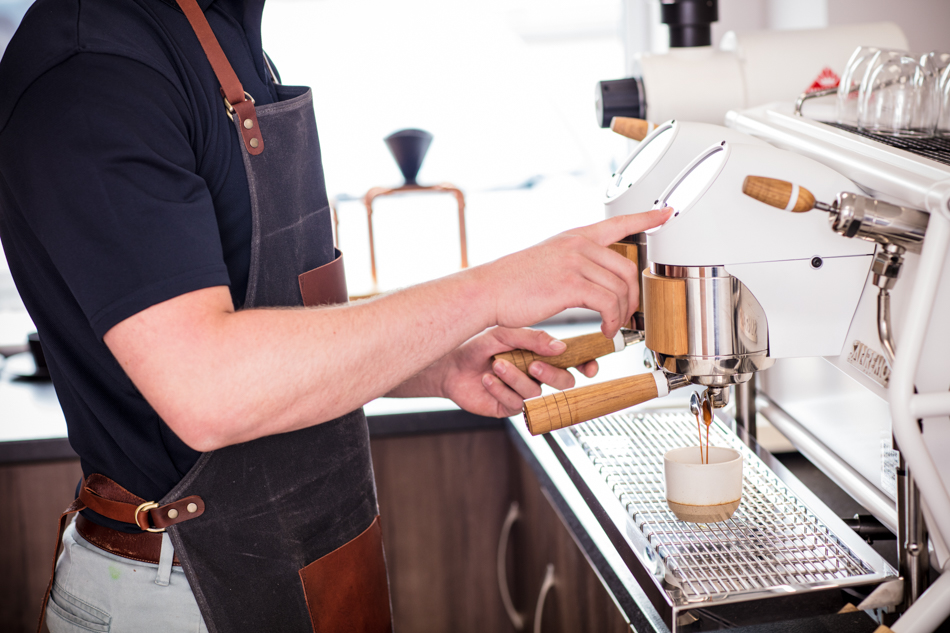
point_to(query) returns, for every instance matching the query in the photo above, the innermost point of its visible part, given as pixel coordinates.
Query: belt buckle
(145, 507)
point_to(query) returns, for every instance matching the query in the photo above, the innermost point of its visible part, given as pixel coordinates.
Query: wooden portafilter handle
(636, 129)
(564, 408)
(779, 193)
(580, 349)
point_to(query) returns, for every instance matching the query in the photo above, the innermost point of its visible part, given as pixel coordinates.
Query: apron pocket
(347, 590)
(325, 285)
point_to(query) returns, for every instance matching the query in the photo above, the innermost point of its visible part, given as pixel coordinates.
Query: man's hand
(219, 377)
(572, 269)
(469, 378)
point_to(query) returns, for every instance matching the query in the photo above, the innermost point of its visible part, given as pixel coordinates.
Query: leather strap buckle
(230, 108)
(143, 509)
(230, 84)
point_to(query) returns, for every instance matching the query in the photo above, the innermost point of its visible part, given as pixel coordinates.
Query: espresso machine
(790, 242)
(805, 276)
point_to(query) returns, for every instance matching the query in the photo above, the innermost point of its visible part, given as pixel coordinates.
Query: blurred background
(505, 87)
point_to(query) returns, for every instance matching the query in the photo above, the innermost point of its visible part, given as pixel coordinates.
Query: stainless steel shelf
(782, 544)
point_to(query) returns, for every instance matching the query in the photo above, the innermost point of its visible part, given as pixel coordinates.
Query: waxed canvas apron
(289, 539)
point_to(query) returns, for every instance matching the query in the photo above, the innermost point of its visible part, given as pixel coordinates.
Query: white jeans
(98, 591)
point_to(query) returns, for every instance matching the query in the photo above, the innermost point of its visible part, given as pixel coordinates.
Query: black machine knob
(690, 25)
(689, 21)
(620, 97)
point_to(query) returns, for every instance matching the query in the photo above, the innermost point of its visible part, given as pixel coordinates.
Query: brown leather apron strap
(237, 101)
(75, 506)
(104, 496)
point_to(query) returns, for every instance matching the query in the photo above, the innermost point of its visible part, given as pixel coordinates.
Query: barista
(153, 229)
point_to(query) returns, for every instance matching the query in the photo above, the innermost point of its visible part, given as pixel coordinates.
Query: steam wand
(897, 229)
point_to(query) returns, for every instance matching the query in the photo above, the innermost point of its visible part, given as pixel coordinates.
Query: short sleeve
(100, 158)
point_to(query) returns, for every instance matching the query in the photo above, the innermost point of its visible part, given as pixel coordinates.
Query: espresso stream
(707, 419)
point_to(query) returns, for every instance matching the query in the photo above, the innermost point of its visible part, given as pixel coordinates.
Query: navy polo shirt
(121, 186)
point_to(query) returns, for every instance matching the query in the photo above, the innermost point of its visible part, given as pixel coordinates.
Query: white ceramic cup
(703, 493)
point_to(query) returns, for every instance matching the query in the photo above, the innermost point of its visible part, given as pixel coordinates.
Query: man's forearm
(231, 377)
(427, 382)
(218, 377)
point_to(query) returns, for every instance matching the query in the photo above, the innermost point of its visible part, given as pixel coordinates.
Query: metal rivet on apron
(193, 507)
(248, 123)
(173, 514)
(255, 142)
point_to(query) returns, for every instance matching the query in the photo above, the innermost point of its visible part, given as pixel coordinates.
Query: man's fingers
(611, 260)
(589, 368)
(619, 227)
(601, 300)
(613, 284)
(560, 379)
(537, 341)
(509, 401)
(516, 379)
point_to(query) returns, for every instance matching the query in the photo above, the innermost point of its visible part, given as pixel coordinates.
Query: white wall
(926, 23)
(740, 16)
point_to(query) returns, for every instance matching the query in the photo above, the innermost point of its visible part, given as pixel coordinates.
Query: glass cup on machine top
(898, 96)
(846, 106)
(943, 97)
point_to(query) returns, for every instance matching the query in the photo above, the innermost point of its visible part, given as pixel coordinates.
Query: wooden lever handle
(580, 349)
(549, 413)
(637, 129)
(779, 193)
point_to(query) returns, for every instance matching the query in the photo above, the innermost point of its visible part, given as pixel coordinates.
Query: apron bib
(290, 537)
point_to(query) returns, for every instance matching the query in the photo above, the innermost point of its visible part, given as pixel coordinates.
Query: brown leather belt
(103, 496)
(145, 547)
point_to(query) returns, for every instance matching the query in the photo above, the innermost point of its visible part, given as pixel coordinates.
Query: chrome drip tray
(782, 545)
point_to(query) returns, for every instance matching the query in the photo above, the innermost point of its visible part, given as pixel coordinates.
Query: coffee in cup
(703, 493)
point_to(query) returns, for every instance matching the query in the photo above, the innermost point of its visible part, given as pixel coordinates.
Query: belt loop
(165, 561)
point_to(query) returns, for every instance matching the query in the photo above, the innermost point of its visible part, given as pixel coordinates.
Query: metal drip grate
(936, 148)
(772, 541)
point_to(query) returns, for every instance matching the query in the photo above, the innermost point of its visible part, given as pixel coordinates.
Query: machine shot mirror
(659, 158)
(650, 150)
(695, 181)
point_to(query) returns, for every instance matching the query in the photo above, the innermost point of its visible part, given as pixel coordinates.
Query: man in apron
(160, 194)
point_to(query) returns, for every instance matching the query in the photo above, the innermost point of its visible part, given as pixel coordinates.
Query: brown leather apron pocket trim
(325, 285)
(347, 590)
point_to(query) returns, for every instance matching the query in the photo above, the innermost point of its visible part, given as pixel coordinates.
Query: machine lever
(565, 408)
(580, 350)
(635, 129)
(852, 215)
(779, 193)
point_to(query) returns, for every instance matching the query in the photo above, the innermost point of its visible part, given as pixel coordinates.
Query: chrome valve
(873, 220)
(886, 266)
